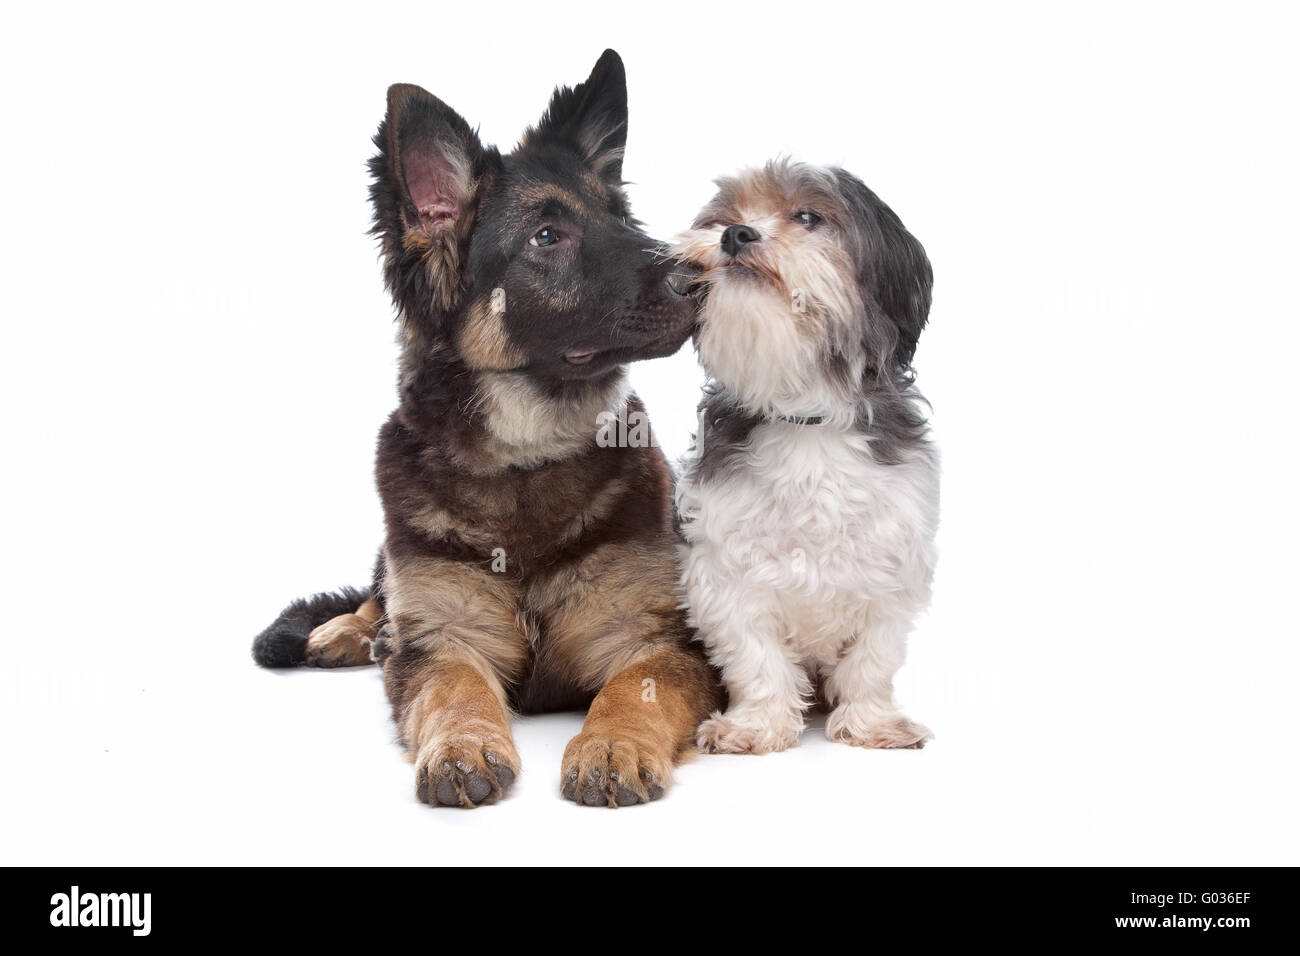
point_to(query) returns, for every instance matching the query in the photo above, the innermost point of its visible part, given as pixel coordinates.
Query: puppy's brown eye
(807, 219)
(546, 236)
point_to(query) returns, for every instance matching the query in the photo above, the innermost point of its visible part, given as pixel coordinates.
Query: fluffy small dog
(810, 498)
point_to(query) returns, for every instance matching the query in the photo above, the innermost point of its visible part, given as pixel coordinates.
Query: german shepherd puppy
(525, 566)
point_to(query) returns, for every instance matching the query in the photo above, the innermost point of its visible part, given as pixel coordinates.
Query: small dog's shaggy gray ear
(590, 118)
(894, 269)
(904, 284)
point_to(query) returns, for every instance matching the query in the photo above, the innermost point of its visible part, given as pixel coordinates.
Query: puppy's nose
(735, 238)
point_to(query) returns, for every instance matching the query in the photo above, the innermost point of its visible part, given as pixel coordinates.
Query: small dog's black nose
(735, 238)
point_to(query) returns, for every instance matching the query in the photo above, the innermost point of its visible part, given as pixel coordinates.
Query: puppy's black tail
(284, 643)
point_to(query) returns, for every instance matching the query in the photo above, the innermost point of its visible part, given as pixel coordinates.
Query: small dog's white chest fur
(807, 516)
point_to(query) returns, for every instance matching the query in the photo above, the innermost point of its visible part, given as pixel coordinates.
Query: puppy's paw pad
(465, 772)
(723, 735)
(343, 641)
(894, 733)
(608, 770)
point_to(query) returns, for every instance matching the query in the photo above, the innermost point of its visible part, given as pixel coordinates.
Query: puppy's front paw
(343, 641)
(726, 735)
(891, 733)
(610, 769)
(465, 770)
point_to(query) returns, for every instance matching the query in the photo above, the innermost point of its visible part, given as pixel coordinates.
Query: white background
(198, 352)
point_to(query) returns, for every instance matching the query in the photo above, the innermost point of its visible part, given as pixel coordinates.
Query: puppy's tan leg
(456, 641)
(344, 641)
(612, 621)
(638, 728)
(457, 730)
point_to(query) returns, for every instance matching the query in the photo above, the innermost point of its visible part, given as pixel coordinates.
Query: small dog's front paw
(612, 770)
(343, 641)
(465, 770)
(892, 733)
(724, 735)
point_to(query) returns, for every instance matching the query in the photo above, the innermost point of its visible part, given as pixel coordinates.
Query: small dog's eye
(545, 236)
(807, 219)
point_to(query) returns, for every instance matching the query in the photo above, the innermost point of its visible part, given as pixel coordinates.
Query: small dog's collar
(802, 419)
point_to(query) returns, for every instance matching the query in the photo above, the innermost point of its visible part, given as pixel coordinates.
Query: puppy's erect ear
(432, 153)
(426, 178)
(591, 119)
